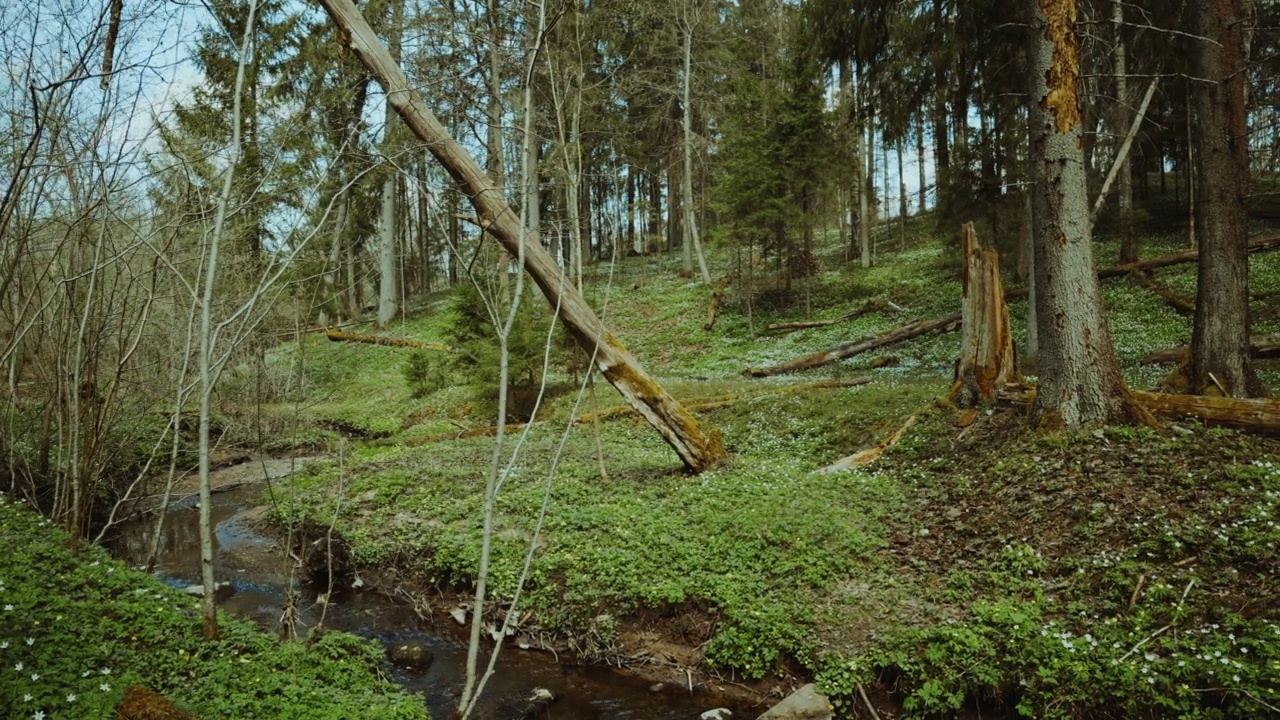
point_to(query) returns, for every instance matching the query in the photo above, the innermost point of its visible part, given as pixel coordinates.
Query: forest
(640, 358)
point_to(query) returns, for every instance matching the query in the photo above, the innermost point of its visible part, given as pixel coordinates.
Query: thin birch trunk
(691, 238)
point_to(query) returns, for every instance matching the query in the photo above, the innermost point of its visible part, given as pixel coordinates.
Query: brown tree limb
(1260, 348)
(1164, 292)
(864, 457)
(340, 336)
(697, 449)
(1255, 245)
(849, 349)
(869, 307)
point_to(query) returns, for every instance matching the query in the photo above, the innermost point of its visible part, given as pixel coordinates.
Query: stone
(411, 654)
(656, 688)
(716, 714)
(459, 614)
(540, 699)
(222, 590)
(803, 704)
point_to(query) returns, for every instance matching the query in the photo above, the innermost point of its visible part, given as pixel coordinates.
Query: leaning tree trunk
(698, 450)
(986, 345)
(1220, 333)
(1080, 380)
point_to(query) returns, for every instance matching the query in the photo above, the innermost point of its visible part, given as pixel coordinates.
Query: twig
(1137, 590)
(870, 708)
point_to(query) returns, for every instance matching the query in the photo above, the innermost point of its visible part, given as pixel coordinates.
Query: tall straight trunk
(494, 161)
(1124, 180)
(691, 237)
(387, 295)
(844, 191)
(1080, 380)
(1189, 170)
(210, 613)
(698, 450)
(941, 134)
(867, 192)
(1220, 334)
(902, 200)
(920, 162)
(638, 246)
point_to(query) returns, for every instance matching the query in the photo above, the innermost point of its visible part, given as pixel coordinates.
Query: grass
(976, 567)
(78, 628)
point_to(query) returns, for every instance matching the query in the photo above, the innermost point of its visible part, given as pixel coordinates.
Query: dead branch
(864, 457)
(1164, 292)
(869, 307)
(1263, 347)
(849, 349)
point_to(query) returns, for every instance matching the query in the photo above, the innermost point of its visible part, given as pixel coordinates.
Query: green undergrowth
(1107, 573)
(77, 629)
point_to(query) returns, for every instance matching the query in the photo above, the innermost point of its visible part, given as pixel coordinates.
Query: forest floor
(978, 565)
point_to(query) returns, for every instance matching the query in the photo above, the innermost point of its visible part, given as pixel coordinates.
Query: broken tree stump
(849, 349)
(987, 362)
(340, 336)
(1263, 347)
(717, 294)
(869, 307)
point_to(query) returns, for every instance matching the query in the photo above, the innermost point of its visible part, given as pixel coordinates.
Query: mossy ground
(964, 570)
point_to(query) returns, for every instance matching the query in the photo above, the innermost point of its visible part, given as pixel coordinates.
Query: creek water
(252, 562)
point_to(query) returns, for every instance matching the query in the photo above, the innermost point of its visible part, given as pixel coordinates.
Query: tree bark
(1220, 332)
(692, 240)
(335, 335)
(1080, 379)
(869, 307)
(697, 449)
(388, 306)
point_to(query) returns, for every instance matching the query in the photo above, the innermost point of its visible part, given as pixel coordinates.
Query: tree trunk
(902, 201)
(920, 164)
(1124, 183)
(1080, 380)
(1220, 333)
(698, 450)
(691, 238)
(387, 295)
(986, 345)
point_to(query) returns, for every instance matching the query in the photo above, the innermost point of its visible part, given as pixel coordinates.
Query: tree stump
(986, 345)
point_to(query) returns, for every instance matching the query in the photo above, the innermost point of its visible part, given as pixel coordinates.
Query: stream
(251, 561)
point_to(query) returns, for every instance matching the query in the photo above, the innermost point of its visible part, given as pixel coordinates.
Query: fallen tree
(849, 349)
(705, 404)
(869, 307)
(1255, 245)
(1258, 415)
(863, 457)
(339, 336)
(697, 449)
(1262, 347)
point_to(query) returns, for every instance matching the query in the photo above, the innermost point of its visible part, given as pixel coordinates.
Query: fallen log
(1262, 347)
(863, 457)
(869, 307)
(1164, 292)
(340, 336)
(1255, 245)
(849, 349)
(717, 293)
(1258, 415)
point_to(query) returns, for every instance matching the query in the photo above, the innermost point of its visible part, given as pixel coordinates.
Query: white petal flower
(105, 687)
(31, 641)
(71, 697)
(35, 676)
(26, 697)
(18, 666)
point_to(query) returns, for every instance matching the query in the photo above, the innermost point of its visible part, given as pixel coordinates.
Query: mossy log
(698, 449)
(1263, 347)
(717, 295)
(340, 336)
(986, 347)
(707, 404)
(869, 307)
(1164, 292)
(849, 349)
